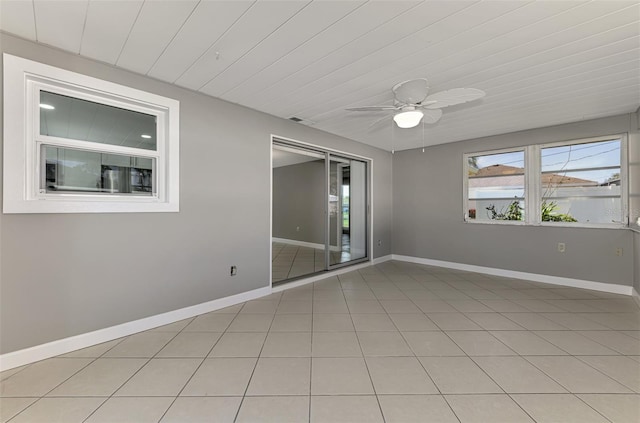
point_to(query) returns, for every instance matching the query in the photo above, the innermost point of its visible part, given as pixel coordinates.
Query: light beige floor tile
(345, 409)
(340, 376)
(251, 323)
(141, 345)
(469, 306)
(335, 344)
(260, 307)
(359, 294)
(458, 375)
(573, 322)
(330, 306)
(619, 408)
(203, 410)
(451, 294)
(372, 322)
(412, 322)
(537, 306)
(211, 322)
(617, 341)
(416, 409)
(160, 377)
(287, 344)
(303, 293)
(631, 333)
(487, 408)
(59, 410)
(482, 294)
(41, 377)
(129, 410)
(190, 344)
(493, 321)
(616, 321)
(291, 323)
(504, 306)
(9, 407)
(555, 408)
(383, 344)
(453, 321)
(478, 343)
(100, 378)
(517, 375)
(239, 344)
(8, 373)
(434, 306)
(527, 343)
(389, 293)
(399, 306)
(623, 369)
(576, 376)
(94, 351)
(327, 295)
(432, 344)
(173, 327)
(281, 376)
(419, 295)
(332, 323)
(576, 306)
(221, 376)
(281, 409)
(295, 307)
(574, 343)
(365, 306)
(399, 375)
(533, 321)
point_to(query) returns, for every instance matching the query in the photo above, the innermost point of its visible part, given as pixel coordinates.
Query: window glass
(496, 189)
(69, 117)
(581, 183)
(79, 171)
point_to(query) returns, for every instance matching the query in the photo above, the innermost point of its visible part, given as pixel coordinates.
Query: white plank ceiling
(541, 63)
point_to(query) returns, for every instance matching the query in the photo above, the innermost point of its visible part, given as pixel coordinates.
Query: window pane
(496, 186)
(581, 183)
(69, 117)
(70, 170)
(581, 156)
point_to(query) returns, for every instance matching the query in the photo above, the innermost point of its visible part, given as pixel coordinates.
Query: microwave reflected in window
(78, 171)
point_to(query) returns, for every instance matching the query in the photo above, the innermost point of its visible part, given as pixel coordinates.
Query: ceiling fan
(412, 103)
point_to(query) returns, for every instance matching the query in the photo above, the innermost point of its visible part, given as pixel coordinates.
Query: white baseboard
(303, 244)
(381, 259)
(554, 280)
(636, 296)
(63, 346)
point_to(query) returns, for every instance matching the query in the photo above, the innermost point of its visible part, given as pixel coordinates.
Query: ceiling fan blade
(412, 91)
(372, 108)
(431, 116)
(452, 97)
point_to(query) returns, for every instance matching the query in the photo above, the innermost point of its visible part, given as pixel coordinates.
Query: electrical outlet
(379, 243)
(561, 247)
(297, 228)
(619, 252)
(234, 271)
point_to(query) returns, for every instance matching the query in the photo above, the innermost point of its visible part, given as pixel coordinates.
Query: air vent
(302, 121)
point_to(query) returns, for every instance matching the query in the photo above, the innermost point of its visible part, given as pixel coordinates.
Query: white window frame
(23, 81)
(533, 188)
(465, 187)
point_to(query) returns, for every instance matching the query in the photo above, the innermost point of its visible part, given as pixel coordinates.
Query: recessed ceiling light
(145, 136)
(46, 106)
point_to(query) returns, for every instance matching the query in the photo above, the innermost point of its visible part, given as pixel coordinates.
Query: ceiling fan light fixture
(408, 119)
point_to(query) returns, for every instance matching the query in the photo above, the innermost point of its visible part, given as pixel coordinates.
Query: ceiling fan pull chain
(423, 135)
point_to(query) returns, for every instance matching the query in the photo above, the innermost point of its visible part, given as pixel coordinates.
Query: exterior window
(78, 144)
(576, 183)
(496, 188)
(581, 182)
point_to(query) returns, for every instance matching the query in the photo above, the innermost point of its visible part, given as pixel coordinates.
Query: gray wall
(298, 202)
(67, 274)
(428, 214)
(636, 282)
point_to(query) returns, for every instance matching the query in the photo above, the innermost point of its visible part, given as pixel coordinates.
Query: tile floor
(291, 261)
(395, 342)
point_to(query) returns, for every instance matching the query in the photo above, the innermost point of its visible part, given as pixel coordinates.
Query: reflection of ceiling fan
(412, 104)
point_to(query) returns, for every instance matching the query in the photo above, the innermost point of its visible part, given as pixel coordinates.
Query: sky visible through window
(567, 159)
